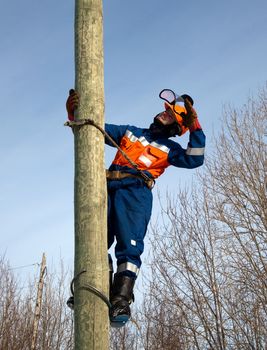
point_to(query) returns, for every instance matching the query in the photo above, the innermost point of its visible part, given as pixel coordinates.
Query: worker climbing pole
(91, 322)
(142, 156)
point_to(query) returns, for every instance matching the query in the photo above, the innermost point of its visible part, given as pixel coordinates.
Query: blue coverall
(129, 199)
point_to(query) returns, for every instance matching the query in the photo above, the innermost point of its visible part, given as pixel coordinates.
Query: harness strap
(118, 175)
(82, 122)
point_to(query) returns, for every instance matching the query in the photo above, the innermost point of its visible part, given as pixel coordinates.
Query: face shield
(172, 101)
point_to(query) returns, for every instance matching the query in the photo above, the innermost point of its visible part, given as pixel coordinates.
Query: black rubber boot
(121, 298)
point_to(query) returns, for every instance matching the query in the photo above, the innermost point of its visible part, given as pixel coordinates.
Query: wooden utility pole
(91, 322)
(38, 304)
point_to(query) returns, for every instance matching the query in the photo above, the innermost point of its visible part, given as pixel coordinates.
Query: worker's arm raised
(193, 156)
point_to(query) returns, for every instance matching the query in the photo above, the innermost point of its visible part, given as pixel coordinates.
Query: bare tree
(15, 323)
(56, 326)
(125, 338)
(208, 286)
(186, 285)
(239, 206)
(17, 303)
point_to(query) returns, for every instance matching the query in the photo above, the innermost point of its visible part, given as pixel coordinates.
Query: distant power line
(22, 267)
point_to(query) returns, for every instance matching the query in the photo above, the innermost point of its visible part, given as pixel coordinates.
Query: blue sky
(213, 50)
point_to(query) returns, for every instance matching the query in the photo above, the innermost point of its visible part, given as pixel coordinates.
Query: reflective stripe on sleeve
(128, 266)
(195, 151)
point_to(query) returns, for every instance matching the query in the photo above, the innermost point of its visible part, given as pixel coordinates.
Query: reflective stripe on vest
(148, 156)
(131, 136)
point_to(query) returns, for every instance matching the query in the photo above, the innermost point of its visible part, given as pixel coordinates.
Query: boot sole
(119, 321)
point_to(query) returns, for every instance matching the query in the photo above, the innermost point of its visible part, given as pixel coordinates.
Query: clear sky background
(213, 50)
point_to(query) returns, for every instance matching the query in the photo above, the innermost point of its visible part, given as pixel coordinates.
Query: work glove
(72, 104)
(190, 119)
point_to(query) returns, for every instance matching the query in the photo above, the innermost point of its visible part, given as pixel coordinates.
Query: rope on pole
(82, 122)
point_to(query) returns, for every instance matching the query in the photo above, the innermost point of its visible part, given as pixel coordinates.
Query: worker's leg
(110, 218)
(132, 211)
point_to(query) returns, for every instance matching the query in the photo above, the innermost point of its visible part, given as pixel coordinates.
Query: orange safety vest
(152, 157)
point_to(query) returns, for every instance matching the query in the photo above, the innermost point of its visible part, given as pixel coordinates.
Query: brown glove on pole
(72, 104)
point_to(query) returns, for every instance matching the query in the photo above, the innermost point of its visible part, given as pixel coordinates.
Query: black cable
(89, 288)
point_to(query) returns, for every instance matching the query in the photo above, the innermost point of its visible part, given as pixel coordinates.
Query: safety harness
(117, 174)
